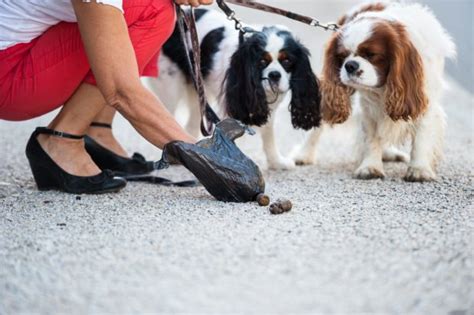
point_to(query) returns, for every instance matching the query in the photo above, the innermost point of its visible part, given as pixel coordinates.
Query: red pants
(40, 76)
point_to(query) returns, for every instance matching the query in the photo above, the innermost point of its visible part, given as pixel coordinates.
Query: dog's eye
(370, 55)
(263, 62)
(286, 63)
(340, 58)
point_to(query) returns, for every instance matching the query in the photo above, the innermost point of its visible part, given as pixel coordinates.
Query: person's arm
(112, 59)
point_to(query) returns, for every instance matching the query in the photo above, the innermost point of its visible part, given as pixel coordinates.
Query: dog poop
(263, 200)
(281, 206)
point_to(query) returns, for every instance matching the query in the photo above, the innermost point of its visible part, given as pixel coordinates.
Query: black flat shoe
(48, 175)
(120, 166)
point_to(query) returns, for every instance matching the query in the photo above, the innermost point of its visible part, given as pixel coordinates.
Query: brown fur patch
(282, 55)
(405, 97)
(335, 103)
(266, 59)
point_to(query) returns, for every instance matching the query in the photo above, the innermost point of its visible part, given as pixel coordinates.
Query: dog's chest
(373, 113)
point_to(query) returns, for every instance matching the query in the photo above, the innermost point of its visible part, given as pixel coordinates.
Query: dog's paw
(395, 155)
(419, 174)
(305, 158)
(369, 172)
(282, 164)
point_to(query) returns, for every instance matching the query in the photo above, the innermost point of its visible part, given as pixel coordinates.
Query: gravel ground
(348, 246)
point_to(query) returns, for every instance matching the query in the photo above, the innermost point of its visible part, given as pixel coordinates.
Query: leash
(270, 9)
(162, 181)
(187, 20)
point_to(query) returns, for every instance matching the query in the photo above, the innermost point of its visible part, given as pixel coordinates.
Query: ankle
(53, 144)
(100, 133)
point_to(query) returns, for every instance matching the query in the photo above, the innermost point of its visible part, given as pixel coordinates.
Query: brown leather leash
(187, 20)
(270, 9)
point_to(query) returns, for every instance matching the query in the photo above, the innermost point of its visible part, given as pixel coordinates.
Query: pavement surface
(348, 246)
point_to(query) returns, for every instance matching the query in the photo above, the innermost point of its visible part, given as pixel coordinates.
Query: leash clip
(238, 23)
(315, 23)
(231, 16)
(332, 27)
(327, 27)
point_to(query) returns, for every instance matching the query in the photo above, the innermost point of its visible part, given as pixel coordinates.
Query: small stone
(61, 224)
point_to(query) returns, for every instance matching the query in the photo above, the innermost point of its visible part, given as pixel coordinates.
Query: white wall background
(457, 16)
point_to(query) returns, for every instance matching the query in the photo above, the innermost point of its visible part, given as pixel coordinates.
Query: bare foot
(69, 154)
(105, 138)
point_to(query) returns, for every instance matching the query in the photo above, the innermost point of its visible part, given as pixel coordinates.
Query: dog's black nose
(274, 76)
(351, 66)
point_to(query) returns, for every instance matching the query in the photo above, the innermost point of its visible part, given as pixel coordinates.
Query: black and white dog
(247, 78)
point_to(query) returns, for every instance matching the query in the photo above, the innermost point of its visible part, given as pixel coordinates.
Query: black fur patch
(199, 13)
(209, 47)
(244, 95)
(306, 98)
(174, 48)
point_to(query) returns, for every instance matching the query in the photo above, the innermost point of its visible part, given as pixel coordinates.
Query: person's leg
(74, 118)
(105, 136)
(148, 29)
(148, 34)
(46, 73)
(52, 69)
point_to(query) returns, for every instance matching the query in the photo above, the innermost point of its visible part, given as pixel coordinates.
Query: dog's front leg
(306, 154)
(274, 159)
(193, 126)
(370, 151)
(427, 148)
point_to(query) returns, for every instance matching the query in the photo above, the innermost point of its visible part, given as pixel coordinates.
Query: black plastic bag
(217, 162)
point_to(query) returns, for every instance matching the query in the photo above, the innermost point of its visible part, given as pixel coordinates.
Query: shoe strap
(100, 125)
(52, 132)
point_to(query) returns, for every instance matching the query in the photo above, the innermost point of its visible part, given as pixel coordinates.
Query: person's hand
(194, 3)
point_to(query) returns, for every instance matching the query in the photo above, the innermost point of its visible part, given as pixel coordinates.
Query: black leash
(161, 181)
(188, 20)
(267, 8)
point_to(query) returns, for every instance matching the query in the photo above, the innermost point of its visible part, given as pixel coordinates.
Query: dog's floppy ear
(405, 96)
(242, 91)
(336, 103)
(306, 98)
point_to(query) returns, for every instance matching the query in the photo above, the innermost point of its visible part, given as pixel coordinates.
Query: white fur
(172, 87)
(357, 34)
(274, 45)
(377, 132)
(275, 159)
(368, 76)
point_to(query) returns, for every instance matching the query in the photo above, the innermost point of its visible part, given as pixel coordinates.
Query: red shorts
(40, 76)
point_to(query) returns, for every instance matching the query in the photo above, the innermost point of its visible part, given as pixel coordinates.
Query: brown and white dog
(391, 57)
